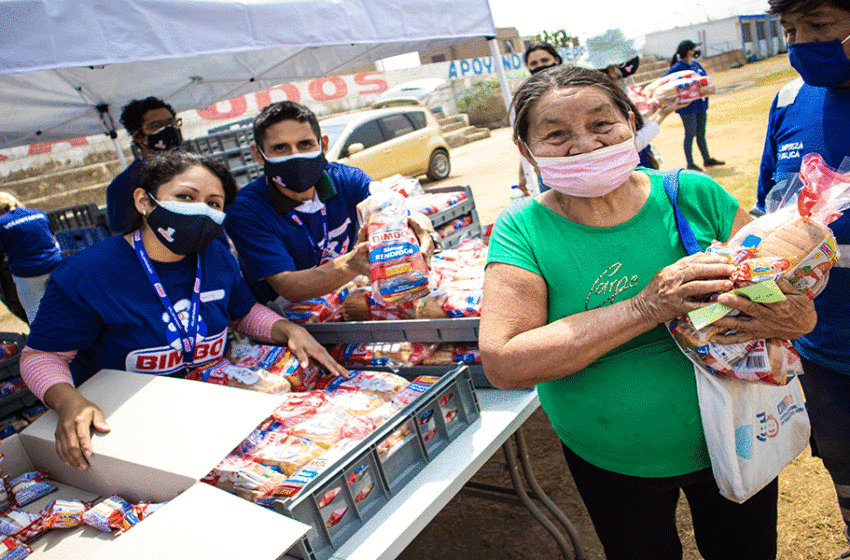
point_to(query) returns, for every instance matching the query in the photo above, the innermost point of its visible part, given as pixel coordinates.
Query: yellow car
(386, 142)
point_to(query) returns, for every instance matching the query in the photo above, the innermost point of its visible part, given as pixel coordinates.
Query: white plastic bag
(753, 430)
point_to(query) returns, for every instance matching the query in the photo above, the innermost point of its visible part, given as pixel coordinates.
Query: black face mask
(297, 172)
(165, 138)
(697, 53)
(185, 227)
(542, 68)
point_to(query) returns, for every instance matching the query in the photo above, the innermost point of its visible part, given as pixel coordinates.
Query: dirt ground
(474, 528)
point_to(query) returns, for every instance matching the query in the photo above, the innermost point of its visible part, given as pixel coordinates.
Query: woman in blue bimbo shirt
(156, 300)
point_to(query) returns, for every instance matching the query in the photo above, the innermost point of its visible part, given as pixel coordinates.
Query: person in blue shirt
(295, 227)
(812, 114)
(694, 115)
(157, 300)
(31, 250)
(154, 128)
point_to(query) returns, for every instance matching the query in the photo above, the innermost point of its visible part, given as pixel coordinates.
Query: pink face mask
(592, 174)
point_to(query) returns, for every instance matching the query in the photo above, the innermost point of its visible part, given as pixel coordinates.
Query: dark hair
(162, 168)
(284, 111)
(682, 51)
(562, 77)
(795, 6)
(134, 112)
(541, 46)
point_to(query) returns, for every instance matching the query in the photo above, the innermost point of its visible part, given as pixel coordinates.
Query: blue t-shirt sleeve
(261, 250)
(767, 168)
(362, 180)
(65, 321)
(241, 299)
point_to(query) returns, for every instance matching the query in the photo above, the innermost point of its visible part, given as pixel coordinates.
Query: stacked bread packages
(310, 430)
(792, 241)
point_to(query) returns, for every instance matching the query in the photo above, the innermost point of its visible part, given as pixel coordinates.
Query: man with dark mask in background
(153, 126)
(295, 227)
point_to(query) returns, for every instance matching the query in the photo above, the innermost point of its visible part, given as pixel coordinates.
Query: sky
(586, 18)
(634, 17)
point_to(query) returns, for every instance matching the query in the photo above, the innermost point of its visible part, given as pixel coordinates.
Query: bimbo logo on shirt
(165, 360)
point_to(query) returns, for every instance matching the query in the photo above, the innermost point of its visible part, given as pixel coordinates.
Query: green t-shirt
(634, 410)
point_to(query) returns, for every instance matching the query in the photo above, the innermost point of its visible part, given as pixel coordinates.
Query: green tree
(559, 38)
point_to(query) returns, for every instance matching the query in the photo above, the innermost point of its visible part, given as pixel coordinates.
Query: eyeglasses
(158, 125)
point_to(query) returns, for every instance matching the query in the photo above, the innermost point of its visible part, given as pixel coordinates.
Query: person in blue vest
(157, 300)
(154, 127)
(295, 227)
(694, 116)
(812, 114)
(31, 250)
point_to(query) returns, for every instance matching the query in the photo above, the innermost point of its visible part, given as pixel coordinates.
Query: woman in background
(694, 115)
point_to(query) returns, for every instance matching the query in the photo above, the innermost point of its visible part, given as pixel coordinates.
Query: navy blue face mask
(185, 227)
(296, 172)
(165, 138)
(821, 64)
(542, 68)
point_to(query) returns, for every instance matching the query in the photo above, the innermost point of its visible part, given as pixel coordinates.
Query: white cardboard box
(166, 434)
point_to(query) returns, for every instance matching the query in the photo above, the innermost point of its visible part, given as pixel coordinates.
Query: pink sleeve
(42, 370)
(258, 323)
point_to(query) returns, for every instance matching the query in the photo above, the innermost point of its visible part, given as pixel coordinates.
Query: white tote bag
(753, 430)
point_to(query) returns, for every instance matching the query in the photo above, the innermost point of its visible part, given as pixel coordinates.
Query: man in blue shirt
(812, 114)
(153, 126)
(295, 227)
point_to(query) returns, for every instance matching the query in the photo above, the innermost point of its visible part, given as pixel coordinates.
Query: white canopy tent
(68, 66)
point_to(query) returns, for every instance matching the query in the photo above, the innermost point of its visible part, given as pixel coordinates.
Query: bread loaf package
(792, 241)
(397, 266)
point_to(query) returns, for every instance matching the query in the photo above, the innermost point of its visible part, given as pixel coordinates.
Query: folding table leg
(518, 494)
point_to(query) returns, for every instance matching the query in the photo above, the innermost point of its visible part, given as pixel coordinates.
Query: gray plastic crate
(10, 367)
(461, 329)
(476, 372)
(16, 402)
(232, 148)
(460, 209)
(365, 479)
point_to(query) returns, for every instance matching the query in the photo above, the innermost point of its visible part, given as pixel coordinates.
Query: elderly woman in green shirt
(579, 283)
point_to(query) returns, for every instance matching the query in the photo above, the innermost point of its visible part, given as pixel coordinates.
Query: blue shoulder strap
(686, 234)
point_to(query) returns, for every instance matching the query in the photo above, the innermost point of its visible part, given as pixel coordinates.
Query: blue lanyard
(189, 334)
(320, 252)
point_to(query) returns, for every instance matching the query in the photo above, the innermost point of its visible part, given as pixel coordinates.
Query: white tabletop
(387, 534)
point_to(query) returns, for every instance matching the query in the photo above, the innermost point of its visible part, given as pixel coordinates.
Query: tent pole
(109, 125)
(530, 177)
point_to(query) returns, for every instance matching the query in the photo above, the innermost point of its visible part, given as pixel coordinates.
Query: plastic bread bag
(64, 514)
(792, 242)
(645, 105)
(650, 90)
(13, 549)
(31, 486)
(684, 89)
(21, 525)
(405, 187)
(397, 266)
(107, 513)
